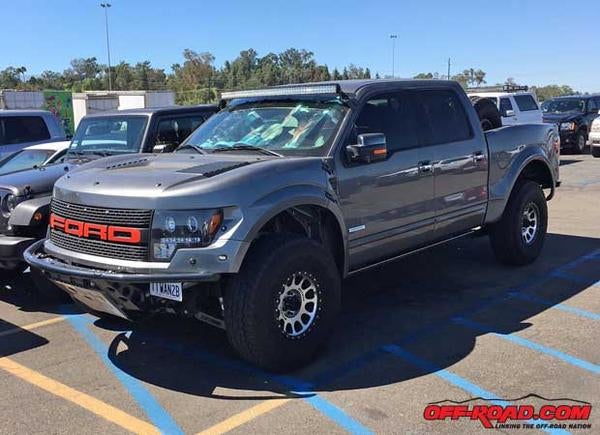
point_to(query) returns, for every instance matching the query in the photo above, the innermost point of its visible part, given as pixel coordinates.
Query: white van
(516, 104)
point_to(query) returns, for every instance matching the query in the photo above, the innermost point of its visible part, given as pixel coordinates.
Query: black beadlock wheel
(517, 239)
(281, 306)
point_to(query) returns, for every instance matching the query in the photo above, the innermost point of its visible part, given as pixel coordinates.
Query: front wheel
(580, 143)
(281, 306)
(596, 151)
(517, 239)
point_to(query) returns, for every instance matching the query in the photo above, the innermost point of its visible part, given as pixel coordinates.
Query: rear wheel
(281, 306)
(596, 151)
(488, 113)
(13, 272)
(518, 238)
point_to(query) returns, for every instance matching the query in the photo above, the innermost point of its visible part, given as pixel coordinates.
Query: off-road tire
(488, 113)
(580, 144)
(596, 151)
(46, 290)
(252, 296)
(506, 236)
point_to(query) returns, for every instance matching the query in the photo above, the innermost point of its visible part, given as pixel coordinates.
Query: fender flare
(280, 200)
(23, 213)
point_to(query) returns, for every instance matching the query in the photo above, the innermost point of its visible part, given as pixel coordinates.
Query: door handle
(478, 156)
(425, 167)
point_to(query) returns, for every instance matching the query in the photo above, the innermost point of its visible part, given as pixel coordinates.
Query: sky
(537, 42)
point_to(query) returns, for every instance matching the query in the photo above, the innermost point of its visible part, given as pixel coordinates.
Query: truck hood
(557, 118)
(183, 181)
(37, 181)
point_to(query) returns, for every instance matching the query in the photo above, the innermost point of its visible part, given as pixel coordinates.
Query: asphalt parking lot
(447, 324)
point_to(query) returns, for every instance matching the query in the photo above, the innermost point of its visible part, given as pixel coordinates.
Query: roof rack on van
(501, 88)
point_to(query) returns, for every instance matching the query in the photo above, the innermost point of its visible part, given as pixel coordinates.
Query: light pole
(105, 6)
(393, 37)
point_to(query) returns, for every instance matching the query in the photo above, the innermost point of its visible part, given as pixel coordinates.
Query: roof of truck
(24, 112)
(353, 86)
(158, 110)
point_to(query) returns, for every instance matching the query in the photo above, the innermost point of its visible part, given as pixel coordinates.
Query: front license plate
(167, 290)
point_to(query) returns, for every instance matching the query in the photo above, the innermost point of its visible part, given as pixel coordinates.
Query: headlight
(567, 126)
(9, 202)
(174, 229)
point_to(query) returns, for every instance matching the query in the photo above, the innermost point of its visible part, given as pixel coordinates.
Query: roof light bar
(283, 91)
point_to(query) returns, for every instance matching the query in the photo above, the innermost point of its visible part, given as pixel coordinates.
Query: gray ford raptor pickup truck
(254, 221)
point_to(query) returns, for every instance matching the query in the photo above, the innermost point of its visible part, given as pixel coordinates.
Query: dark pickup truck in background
(25, 195)
(254, 221)
(574, 116)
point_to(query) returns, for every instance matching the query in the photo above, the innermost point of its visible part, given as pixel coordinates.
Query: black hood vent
(129, 163)
(212, 169)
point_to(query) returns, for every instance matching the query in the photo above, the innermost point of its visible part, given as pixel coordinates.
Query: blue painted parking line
(303, 390)
(455, 380)
(151, 407)
(558, 306)
(576, 279)
(586, 365)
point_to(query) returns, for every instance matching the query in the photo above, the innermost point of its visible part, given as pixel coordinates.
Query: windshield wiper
(246, 148)
(191, 146)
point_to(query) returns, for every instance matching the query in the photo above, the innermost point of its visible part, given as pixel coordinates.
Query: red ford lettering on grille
(88, 230)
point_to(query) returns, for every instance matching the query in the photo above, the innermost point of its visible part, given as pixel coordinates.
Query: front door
(388, 204)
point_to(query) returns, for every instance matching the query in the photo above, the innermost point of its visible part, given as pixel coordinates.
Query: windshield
(298, 128)
(24, 159)
(108, 135)
(564, 105)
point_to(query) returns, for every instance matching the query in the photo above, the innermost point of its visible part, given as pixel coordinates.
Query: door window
(505, 106)
(394, 115)
(592, 107)
(21, 129)
(174, 130)
(446, 115)
(526, 103)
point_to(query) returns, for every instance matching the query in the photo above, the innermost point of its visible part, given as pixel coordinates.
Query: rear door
(460, 159)
(507, 110)
(388, 205)
(529, 111)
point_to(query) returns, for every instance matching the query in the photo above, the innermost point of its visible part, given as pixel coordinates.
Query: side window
(592, 106)
(447, 118)
(174, 130)
(19, 129)
(505, 106)
(525, 103)
(393, 114)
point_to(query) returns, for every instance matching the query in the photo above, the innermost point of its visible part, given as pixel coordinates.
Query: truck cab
(22, 128)
(516, 104)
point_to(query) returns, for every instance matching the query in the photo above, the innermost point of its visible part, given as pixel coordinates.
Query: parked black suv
(574, 116)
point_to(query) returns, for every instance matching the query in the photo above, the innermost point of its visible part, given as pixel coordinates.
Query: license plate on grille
(167, 290)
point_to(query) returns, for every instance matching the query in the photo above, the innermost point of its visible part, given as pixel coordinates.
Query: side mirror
(370, 147)
(508, 113)
(164, 148)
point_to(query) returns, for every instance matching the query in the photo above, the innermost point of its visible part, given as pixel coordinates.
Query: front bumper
(12, 248)
(595, 138)
(117, 293)
(568, 139)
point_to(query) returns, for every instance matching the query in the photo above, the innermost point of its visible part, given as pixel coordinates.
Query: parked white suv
(516, 104)
(594, 137)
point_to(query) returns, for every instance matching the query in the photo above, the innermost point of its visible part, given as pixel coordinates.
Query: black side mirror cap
(370, 147)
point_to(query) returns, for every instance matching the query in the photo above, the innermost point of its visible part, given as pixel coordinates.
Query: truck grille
(100, 215)
(99, 247)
